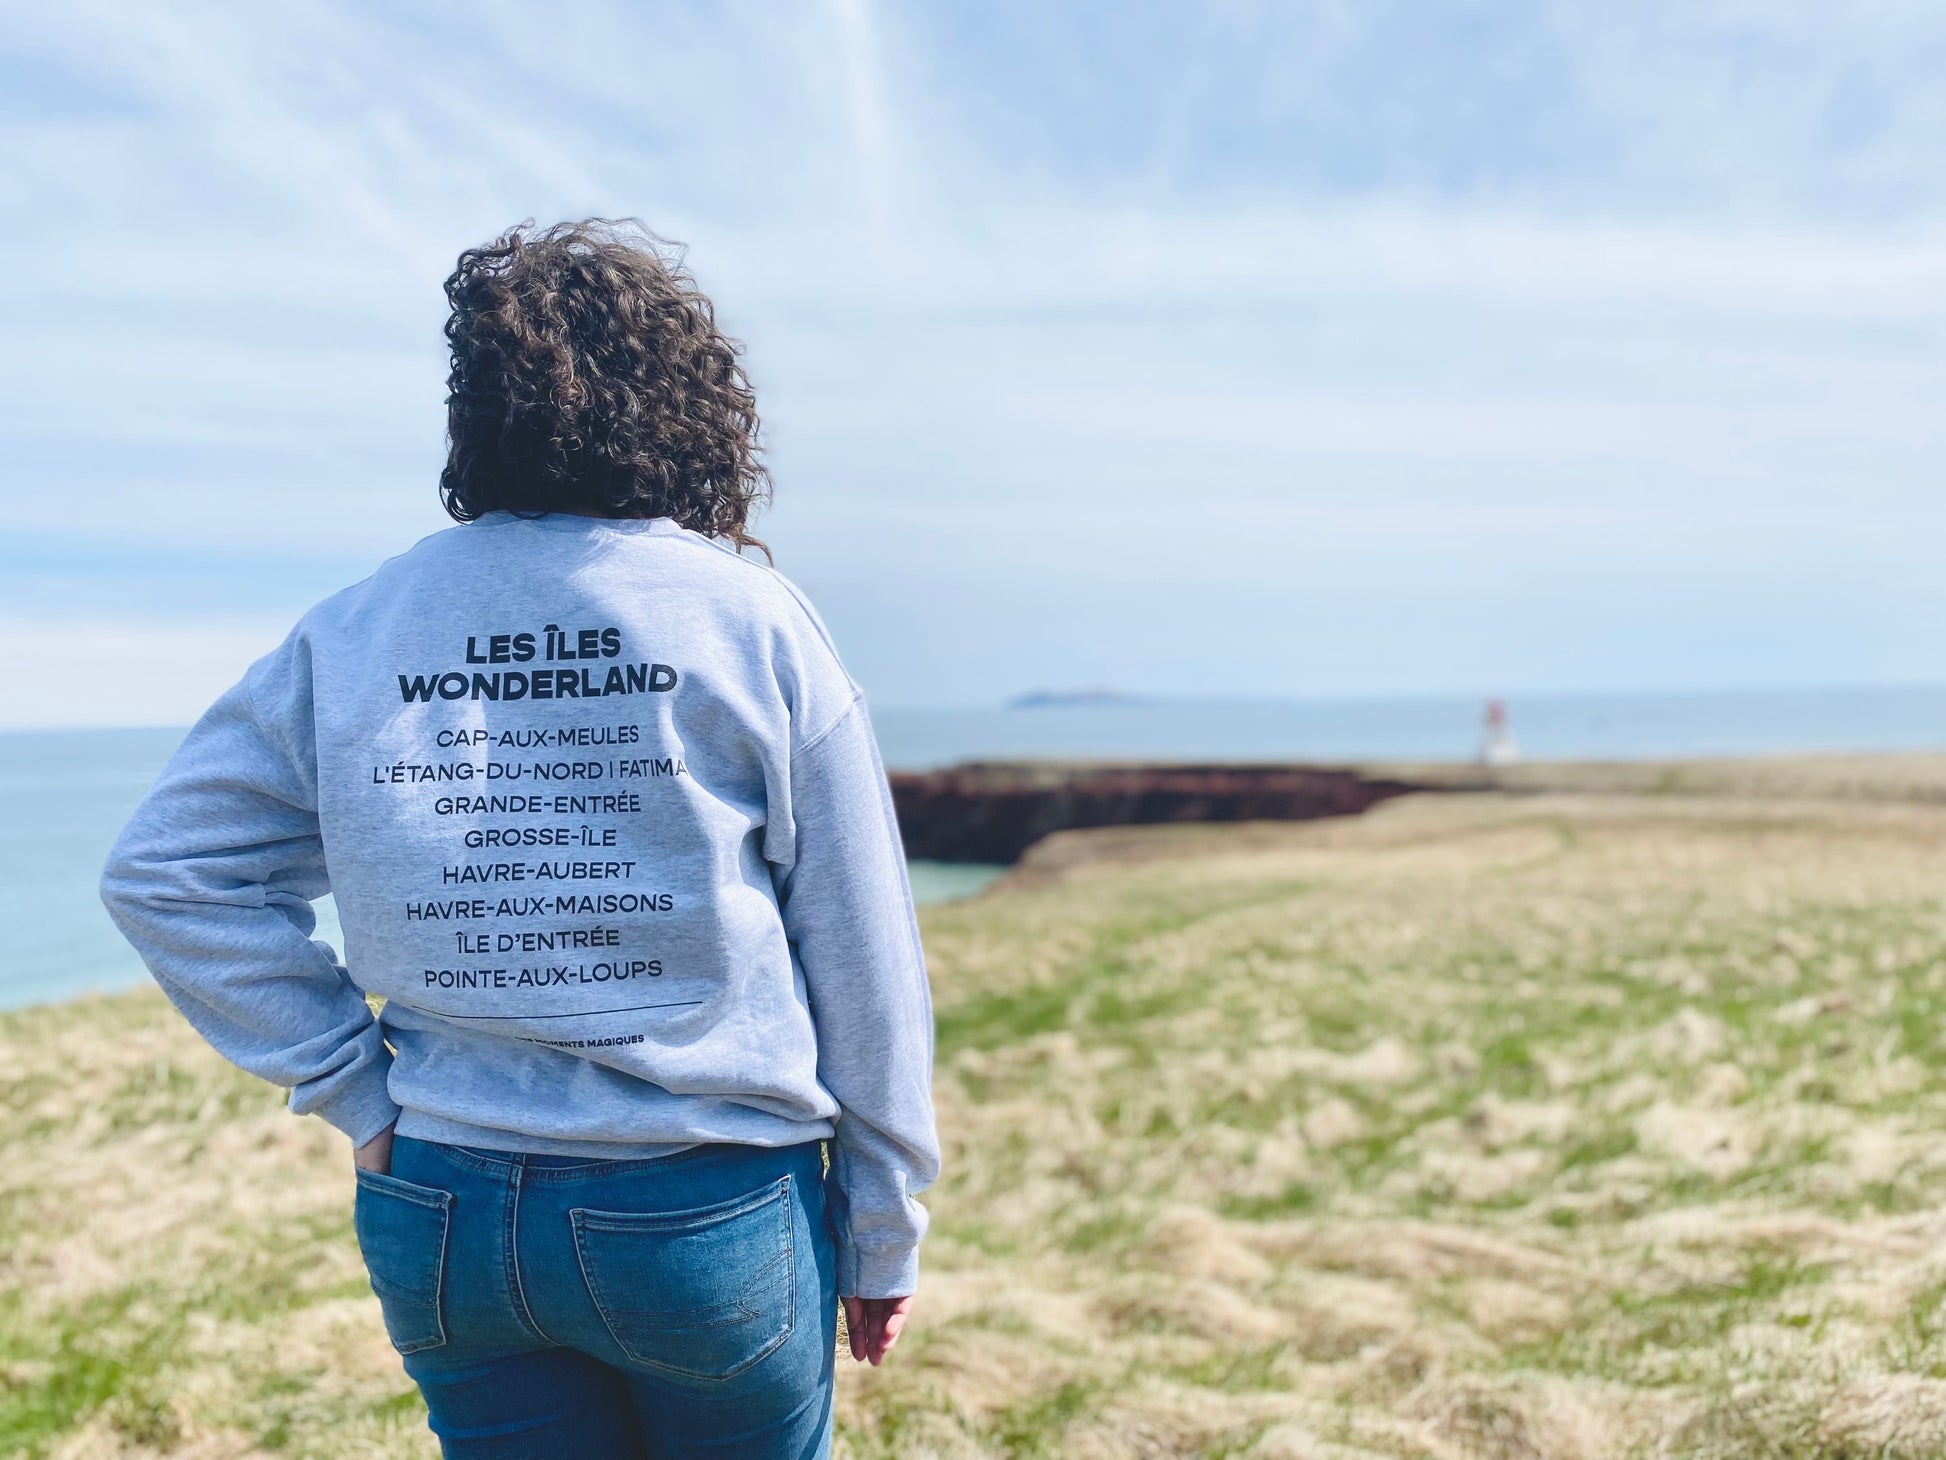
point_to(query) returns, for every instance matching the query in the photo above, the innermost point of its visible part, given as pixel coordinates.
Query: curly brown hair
(588, 375)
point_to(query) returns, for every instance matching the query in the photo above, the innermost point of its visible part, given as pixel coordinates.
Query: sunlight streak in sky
(1243, 350)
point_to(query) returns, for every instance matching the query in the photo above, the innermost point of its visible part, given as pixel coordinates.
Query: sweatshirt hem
(419, 1126)
(362, 1107)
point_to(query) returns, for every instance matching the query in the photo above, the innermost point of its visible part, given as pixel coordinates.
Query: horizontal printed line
(578, 1014)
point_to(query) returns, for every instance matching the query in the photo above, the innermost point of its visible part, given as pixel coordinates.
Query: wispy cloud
(871, 123)
(1477, 341)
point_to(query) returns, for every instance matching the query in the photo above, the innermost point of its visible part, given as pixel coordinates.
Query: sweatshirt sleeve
(211, 881)
(848, 912)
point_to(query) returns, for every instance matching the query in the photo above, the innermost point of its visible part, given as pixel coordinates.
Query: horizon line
(1117, 700)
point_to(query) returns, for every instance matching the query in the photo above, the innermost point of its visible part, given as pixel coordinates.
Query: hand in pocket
(376, 1154)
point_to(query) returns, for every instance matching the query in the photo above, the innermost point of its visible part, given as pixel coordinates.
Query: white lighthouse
(1497, 744)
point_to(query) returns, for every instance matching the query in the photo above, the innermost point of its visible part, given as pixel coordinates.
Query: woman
(609, 835)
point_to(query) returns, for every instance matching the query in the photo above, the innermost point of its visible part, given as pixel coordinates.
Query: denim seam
(511, 1237)
(548, 1175)
(468, 1161)
(720, 1211)
(439, 1274)
(620, 1166)
(389, 1185)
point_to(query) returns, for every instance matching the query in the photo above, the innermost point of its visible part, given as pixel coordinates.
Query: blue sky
(1223, 350)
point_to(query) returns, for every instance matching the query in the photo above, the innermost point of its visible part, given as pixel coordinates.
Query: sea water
(63, 797)
(64, 794)
(1559, 727)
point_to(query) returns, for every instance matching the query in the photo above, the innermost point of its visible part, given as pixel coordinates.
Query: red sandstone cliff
(993, 811)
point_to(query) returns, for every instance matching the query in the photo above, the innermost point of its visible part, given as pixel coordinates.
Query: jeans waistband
(537, 1166)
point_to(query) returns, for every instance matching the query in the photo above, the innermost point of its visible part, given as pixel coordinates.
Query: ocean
(1561, 727)
(63, 794)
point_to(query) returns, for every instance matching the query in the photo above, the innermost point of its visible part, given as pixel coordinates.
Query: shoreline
(1888, 777)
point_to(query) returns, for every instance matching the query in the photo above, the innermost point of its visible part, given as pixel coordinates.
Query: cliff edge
(994, 811)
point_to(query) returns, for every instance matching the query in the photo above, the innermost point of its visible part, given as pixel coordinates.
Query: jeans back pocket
(700, 1294)
(402, 1232)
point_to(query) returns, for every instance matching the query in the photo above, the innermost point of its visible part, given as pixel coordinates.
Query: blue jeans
(552, 1307)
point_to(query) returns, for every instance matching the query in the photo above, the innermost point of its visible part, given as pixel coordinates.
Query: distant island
(1061, 699)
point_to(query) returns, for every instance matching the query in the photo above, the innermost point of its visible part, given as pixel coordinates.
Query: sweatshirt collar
(574, 523)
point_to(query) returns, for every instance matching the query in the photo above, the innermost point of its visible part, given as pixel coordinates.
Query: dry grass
(1523, 1126)
(1905, 776)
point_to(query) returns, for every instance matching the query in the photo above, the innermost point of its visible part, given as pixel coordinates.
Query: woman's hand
(376, 1154)
(874, 1325)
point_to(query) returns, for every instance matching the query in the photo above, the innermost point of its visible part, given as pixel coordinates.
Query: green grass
(1485, 1126)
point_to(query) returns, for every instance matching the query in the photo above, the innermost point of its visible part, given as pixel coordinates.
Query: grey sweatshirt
(608, 832)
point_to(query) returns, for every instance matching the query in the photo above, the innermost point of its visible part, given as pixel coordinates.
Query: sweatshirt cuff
(360, 1104)
(888, 1272)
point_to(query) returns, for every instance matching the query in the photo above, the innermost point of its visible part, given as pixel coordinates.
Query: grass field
(1561, 1123)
